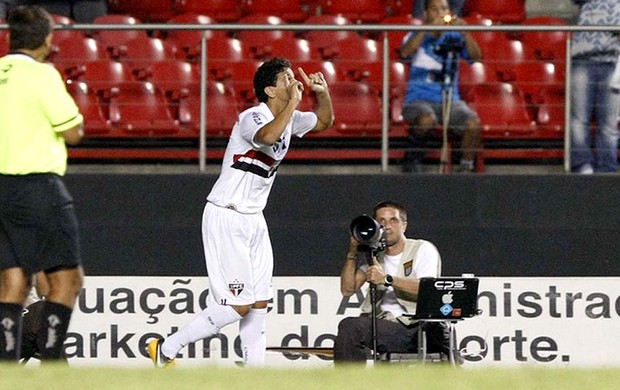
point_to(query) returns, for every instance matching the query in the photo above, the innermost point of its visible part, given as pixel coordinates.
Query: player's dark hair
(392, 204)
(267, 75)
(29, 25)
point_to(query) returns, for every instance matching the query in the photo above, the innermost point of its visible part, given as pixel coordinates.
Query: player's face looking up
(283, 84)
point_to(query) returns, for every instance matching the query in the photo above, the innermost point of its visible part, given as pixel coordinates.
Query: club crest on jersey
(408, 267)
(257, 118)
(236, 287)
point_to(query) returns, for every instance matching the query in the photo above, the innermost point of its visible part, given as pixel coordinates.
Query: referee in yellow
(38, 224)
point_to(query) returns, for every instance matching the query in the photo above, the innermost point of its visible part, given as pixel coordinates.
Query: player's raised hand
(295, 90)
(314, 81)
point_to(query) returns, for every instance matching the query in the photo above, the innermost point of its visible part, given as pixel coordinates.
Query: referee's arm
(74, 135)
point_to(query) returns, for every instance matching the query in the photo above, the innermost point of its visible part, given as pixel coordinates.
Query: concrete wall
(490, 225)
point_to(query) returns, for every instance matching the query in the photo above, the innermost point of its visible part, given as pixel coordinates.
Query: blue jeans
(591, 96)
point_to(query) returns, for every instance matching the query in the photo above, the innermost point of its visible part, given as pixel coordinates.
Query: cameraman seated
(434, 54)
(396, 272)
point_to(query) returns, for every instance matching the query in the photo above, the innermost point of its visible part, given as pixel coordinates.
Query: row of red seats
(367, 69)
(169, 92)
(141, 109)
(293, 11)
(144, 109)
(509, 47)
(297, 11)
(542, 45)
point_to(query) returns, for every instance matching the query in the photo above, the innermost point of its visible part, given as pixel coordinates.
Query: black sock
(10, 331)
(51, 337)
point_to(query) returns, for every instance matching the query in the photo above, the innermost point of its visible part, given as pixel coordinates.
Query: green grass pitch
(380, 377)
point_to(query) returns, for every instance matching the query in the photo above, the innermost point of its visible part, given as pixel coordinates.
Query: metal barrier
(360, 28)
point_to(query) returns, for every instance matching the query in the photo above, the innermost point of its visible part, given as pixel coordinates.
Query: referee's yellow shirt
(35, 108)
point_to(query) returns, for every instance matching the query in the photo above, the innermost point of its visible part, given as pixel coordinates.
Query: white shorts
(238, 254)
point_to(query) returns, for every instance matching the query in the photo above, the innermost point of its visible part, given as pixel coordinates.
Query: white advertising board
(523, 321)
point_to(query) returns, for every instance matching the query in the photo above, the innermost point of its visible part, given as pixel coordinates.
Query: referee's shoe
(159, 360)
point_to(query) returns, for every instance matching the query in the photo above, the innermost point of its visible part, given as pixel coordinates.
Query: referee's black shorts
(38, 224)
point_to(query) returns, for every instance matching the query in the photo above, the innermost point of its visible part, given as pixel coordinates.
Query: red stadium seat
(504, 11)
(237, 77)
(62, 19)
(4, 43)
(473, 74)
(502, 55)
(69, 53)
(139, 109)
(400, 7)
(398, 126)
(220, 105)
(550, 116)
(244, 93)
(139, 53)
(485, 38)
(257, 40)
(372, 73)
(186, 41)
(291, 11)
(395, 38)
(358, 11)
(109, 38)
(321, 39)
(224, 48)
(533, 77)
(148, 11)
(61, 34)
(230, 72)
(102, 74)
(295, 49)
(171, 75)
(220, 10)
(502, 110)
(544, 45)
(95, 118)
(354, 50)
(357, 108)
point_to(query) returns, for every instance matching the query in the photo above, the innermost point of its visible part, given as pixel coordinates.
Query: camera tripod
(450, 66)
(368, 254)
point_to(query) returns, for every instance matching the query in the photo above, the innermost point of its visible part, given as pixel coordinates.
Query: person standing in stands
(38, 223)
(236, 240)
(594, 56)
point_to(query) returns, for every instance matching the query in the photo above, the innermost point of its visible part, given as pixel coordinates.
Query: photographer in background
(395, 272)
(423, 108)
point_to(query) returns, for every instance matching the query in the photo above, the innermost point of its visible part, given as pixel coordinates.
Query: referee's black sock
(51, 337)
(10, 331)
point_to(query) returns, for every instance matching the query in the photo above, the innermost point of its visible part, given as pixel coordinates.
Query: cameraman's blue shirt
(426, 79)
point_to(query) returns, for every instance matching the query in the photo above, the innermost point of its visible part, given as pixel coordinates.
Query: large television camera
(450, 42)
(370, 235)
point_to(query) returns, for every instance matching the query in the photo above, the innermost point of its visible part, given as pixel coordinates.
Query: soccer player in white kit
(236, 240)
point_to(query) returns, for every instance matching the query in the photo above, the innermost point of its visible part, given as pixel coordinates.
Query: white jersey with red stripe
(249, 168)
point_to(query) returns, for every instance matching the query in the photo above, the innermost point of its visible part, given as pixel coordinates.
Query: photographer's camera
(370, 234)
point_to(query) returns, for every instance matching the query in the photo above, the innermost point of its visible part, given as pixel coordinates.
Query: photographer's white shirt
(426, 265)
